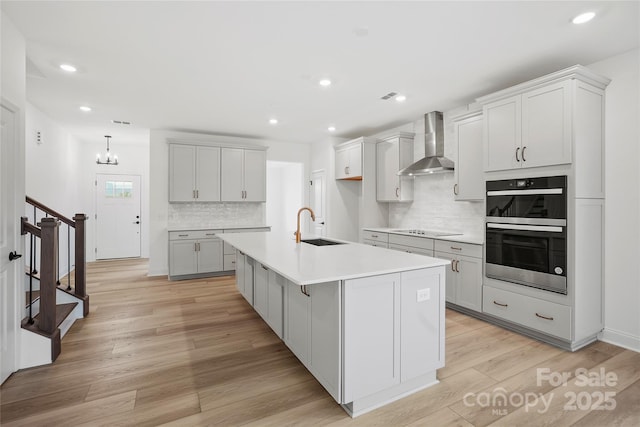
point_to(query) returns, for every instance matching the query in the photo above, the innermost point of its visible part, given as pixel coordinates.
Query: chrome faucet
(313, 217)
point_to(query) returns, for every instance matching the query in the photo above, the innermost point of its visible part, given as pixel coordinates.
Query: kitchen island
(367, 322)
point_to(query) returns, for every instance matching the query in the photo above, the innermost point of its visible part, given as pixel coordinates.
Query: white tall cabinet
(553, 125)
(392, 154)
(194, 173)
(243, 175)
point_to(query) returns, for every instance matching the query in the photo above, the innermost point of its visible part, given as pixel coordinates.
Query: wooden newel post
(48, 268)
(81, 255)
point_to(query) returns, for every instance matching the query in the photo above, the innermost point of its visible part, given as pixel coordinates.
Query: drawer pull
(210, 234)
(455, 248)
(375, 236)
(501, 305)
(183, 235)
(544, 317)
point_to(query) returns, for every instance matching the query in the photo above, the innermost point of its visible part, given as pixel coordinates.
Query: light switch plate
(423, 294)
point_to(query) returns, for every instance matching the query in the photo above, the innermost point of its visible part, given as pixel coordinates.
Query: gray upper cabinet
(392, 154)
(194, 173)
(244, 174)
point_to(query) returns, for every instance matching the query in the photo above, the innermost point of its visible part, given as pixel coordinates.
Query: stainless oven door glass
(532, 255)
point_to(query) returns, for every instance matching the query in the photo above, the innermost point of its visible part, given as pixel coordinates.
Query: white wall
(165, 215)
(52, 176)
(622, 208)
(61, 173)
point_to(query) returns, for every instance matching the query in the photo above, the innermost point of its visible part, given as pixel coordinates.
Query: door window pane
(118, 189)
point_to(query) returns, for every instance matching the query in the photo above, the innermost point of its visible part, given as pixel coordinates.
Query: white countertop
(462, 238)
(215, 227)
(306, 264)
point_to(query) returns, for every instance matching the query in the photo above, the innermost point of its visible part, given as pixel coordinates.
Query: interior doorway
(318, 201)
(285, 195)
(118, 216)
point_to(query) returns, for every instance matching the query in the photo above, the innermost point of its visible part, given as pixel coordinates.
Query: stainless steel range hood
(434, 160)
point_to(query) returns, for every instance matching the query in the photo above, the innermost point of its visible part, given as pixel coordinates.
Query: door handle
(136, 222)
(14, 255)
(322, 223)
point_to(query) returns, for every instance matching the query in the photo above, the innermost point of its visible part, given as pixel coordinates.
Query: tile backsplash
(215, 215)
(434, 207)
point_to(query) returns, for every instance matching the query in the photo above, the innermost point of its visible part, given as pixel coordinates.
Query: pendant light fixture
(110, 160)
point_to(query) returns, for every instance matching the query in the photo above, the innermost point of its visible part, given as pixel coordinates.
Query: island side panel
(422, 320)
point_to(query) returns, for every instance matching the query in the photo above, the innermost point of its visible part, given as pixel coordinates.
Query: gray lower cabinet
(464, 274)
(312, 330)
(194, 252)
(244, 276)
(268, 296)
(200, 252)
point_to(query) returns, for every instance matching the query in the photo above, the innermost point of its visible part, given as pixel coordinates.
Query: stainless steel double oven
(526, 232)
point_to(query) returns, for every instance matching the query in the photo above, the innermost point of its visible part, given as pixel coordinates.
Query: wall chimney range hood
(434, 160)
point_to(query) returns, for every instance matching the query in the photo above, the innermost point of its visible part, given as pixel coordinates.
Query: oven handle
(525, 192)
(548, 228)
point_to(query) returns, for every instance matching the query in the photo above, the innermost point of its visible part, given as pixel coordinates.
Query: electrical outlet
(423, 294)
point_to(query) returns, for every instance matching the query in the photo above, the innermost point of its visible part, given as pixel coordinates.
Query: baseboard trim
(621, 339)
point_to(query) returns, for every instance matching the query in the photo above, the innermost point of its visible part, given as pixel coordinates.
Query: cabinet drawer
(375, 235)
(229, 262)
(466, 249)
(193, 234)
(416, 242)
(411, 249)
(375, 243)
(544, 316)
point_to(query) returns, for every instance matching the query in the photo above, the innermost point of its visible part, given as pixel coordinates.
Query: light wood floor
(194, 353)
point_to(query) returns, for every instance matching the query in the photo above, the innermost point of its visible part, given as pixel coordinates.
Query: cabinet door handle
(455, 189)
(397, 192)
(523, 148)
(544, 317)
(501, 305)
(457, 265)
(197, 194)
(303, 289)
(452, 265)
(263, 267)
(517, 158)
(193, 194)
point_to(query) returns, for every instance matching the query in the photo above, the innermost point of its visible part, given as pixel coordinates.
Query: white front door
(317, 199)
(117, 216)
(9, 221)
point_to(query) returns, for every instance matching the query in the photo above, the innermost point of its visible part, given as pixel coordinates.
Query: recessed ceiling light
(331, 128)
(325, 82)
(85, 108)
(69, 68)
(401, 98)
(273, 121)
(583, 17)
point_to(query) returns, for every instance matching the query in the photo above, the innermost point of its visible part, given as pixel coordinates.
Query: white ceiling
(227, 67)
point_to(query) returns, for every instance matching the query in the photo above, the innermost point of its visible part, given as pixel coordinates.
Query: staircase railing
(47, 232)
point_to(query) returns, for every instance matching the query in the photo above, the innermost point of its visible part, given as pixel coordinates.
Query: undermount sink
(321, 242)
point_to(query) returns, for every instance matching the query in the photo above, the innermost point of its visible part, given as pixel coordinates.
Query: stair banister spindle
(31, 255)
(33, 242)
(68, 257)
